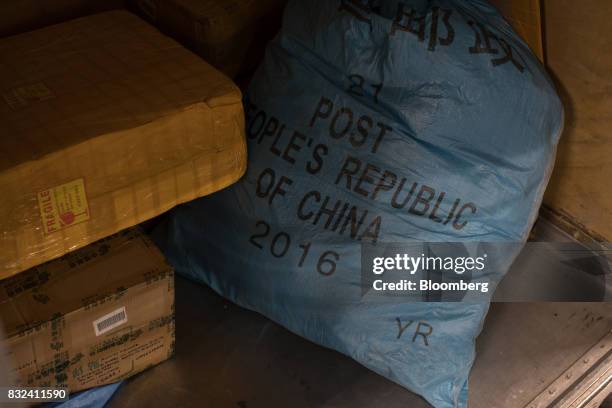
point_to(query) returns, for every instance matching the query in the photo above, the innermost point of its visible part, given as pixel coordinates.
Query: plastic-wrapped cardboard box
(106, 123)
(91, 317)
(229, 34)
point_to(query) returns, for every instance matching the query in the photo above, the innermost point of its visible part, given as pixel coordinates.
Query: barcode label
(110, 321)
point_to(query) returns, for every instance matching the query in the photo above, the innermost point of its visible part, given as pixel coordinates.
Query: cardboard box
(106, 123)
(18, 16)
(525, 17)
(229, 34)
(92, 317)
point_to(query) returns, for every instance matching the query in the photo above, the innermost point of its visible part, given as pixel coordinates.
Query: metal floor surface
(227, 356)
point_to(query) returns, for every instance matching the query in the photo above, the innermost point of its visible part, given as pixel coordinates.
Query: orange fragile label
(63, 206)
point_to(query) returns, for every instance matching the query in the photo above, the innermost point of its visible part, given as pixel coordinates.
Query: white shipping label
(110, 321)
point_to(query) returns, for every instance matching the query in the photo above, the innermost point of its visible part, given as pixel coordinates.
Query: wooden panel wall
(578, 48)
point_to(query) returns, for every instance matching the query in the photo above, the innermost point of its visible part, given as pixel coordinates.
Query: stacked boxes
(229, 34)
(91, 317)
(107, 123)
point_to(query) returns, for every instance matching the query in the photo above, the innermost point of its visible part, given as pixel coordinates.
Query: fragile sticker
(25, 95)
(63, 206)
(109, 321)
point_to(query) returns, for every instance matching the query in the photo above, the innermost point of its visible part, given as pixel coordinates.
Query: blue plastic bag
(93, 398)
(373, 122)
